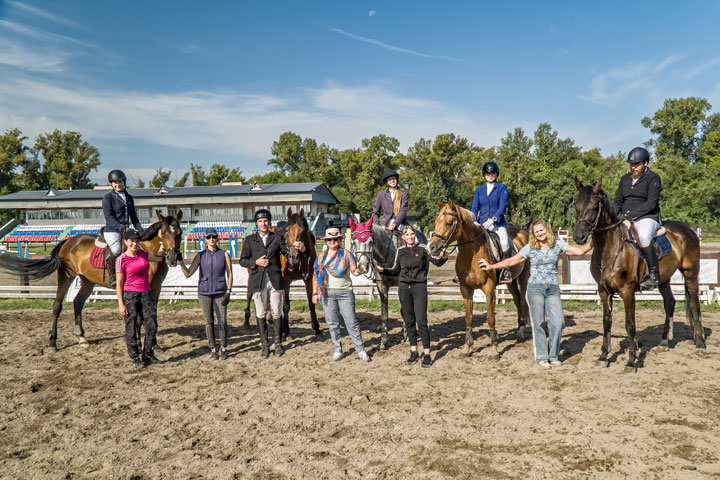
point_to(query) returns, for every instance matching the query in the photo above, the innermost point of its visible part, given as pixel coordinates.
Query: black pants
(413, 305)
(140, 303)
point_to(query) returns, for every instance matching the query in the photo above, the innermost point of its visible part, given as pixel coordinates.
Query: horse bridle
(453, 225)
(292, 264)
(595, 227)
(365, 254)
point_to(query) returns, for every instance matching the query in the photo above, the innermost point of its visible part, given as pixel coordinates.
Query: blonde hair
(397, 202)
(406, 228)
(548, 231)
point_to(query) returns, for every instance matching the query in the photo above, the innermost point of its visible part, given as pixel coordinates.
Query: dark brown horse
(455, 224)
(71, 258)
(295, 266)
(617, 268)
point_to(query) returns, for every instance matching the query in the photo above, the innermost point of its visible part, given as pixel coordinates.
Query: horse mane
(152, 231)
(296, 219)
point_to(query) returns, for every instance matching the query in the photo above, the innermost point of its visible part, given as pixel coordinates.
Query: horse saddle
(661, 242)
(495, 247)
(97, 255)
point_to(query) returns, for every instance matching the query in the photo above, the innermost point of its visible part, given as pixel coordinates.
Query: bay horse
(71, 258)
(295, 266)
(373, 245)
(455, 224)
(617, 268)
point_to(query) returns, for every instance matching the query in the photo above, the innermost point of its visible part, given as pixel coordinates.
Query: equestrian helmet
(638, 154)
(262, 213)
(491, 167)
(390, 173)
(116, 176)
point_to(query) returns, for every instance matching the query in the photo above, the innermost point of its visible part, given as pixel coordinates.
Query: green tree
(139, 183)
(220, 173)
(160, 178)
(68, 159)
(15, 156)
(182, 181)
(199, 179)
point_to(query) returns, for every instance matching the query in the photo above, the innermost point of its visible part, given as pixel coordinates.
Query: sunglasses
(214, 237)
(332, 240)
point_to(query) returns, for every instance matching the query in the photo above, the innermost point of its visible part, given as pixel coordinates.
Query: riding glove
(225, 299)
(488, 224)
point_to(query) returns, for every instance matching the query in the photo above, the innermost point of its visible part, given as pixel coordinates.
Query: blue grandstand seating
(35, 233)
(225, 229)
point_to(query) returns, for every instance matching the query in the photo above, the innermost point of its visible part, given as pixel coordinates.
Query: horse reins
(446, 239)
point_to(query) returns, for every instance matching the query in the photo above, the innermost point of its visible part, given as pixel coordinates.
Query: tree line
(537, 167)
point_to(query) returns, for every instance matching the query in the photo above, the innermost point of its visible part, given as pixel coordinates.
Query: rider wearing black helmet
(638, 200)
(488, 209)
(119, 210)
(392, 201)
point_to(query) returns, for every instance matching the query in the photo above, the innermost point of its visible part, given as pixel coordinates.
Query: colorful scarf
(337, 266)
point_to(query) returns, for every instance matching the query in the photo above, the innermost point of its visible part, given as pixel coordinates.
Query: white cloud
(372, 13)
(40, 13)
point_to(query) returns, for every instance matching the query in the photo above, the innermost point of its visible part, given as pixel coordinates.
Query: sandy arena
(86, 413)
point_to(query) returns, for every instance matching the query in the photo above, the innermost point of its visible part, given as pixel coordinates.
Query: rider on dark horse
(119, 210)
(638, 200)
(392, 201)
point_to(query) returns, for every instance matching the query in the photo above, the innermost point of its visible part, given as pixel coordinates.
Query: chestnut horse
(617, 268)
(455, 224)
(71, 258)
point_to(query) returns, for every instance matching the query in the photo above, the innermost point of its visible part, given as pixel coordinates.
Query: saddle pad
(97, 258)
(662, 247)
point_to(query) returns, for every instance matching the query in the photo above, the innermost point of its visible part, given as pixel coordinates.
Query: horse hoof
(602, 362)
(83, 342)
(51, 349)
(495, 357)
(700, 343)
(664, 343)
(630, 369)
(384, 345)
(318, 333)
(519, 335)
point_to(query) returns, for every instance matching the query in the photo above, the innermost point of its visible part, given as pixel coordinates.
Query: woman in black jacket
(412, 262)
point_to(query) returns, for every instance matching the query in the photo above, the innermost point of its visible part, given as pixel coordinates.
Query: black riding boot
(262, 326)
(110, 261)
(210, 332)
(651, 282)
(277, 324)
(505, 274)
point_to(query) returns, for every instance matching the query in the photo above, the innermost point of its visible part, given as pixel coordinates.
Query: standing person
(488, 208)
(332, 286)
(214, 289)
(637, 199)
(392, 201)
(261, 254)
(134, 297)
(412, 263)
(543, 292)
(119, 211)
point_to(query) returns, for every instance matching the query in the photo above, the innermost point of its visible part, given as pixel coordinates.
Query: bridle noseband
(446, 239)
(365, 253)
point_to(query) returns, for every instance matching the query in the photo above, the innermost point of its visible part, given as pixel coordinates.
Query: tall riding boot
(653, 279)
(277, 324)
(262, 327)
(110, 261)
(505, 274)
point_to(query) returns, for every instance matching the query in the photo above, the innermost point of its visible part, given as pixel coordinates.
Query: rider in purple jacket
(392, 201)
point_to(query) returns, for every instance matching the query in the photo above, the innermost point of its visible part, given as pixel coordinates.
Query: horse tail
(35, 268)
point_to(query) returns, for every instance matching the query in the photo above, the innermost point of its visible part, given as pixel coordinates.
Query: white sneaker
(545, 365)
(555, 363)
(364, 356)
(337, 356)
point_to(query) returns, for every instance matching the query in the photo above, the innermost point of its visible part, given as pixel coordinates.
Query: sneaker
(279, 350)
(364, 356)
(337, 356)
(138, 363)
(223, 353)
(426, 361)
(151, 359)
(555, 363)
(213, 354)
(413, 357)
(265, 353)
(545, 365)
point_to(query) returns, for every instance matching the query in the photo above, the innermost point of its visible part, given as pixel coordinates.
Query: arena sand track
(85, 413)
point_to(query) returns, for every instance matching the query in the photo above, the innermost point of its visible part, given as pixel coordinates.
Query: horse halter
(595, 227)
(453, 224)
(365, 253)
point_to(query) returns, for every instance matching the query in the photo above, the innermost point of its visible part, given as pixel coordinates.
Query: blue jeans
(544, 301)
(336, 302)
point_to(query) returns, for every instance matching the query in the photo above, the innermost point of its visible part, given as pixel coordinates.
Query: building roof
(319, 191)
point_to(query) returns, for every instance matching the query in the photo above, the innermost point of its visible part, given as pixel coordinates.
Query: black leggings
(140, 303)
(413, 305)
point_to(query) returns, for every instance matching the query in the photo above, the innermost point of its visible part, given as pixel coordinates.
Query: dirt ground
(84, 412)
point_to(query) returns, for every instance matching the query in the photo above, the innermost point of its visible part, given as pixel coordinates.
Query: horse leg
(313, 316)
(692, 310)
(606, 299)
(634, 349)
(86, 288)
(285, 319)
(246, 325)
(489, 289)
(669, 305)
(467, 294)
(383, 289)
(63, 284)
(518, 301)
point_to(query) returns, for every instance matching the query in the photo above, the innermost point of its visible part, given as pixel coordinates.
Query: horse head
(295, 230)
(170, 234)
(447, 227)
(589, 205)
(362, 244)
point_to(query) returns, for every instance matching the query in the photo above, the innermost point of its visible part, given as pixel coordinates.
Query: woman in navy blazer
(488, 209)
(119, 211)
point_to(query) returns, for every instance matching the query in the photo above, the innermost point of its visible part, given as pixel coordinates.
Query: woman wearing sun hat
(332, 286)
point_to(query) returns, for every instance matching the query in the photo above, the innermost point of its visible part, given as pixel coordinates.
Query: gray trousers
(210, 304)
(336, 302)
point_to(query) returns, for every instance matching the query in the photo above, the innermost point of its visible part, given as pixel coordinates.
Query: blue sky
(166, 83)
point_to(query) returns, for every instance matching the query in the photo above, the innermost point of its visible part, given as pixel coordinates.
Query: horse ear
(578, 183)
(597, 186)
(159, 215)
(179, 216)
(289, 213)
(352, 223)
(302, 213)
(450, 203)
(440, 204)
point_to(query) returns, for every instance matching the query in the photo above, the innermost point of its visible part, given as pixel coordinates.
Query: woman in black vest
(213, 288)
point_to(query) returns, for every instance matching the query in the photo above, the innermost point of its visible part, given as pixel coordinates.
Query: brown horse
(455, 224)
(71, 258)
(617, 268)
